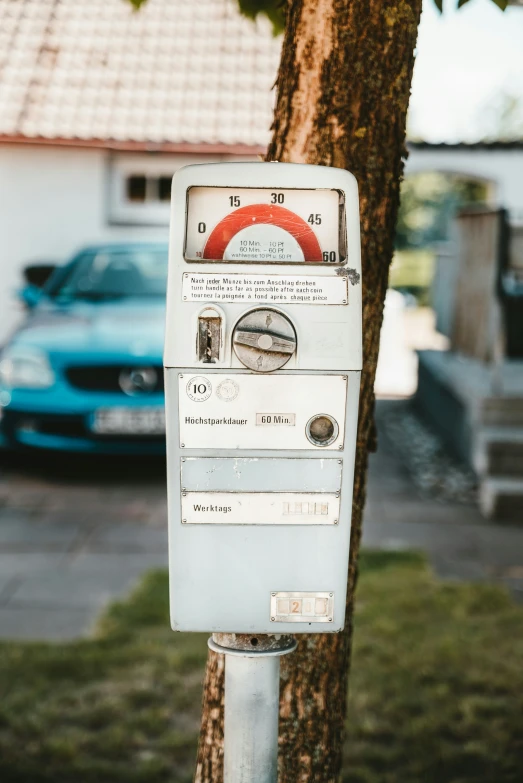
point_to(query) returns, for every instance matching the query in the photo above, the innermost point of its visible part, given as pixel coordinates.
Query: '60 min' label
(276, 419)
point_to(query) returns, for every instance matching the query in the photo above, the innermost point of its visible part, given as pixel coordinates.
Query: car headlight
(25, 368)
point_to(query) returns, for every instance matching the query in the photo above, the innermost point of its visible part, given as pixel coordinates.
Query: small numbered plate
(300, 607)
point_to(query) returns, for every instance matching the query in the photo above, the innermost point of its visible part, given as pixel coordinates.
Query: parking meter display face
(255, 225)
(262, 368)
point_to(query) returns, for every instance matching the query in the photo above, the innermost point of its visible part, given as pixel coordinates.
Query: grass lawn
(436, 689)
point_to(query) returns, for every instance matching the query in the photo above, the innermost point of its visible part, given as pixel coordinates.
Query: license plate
(129, 421)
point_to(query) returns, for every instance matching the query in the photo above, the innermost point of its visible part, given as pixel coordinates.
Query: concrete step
(499, 452)
(501, 411)
(502, 499)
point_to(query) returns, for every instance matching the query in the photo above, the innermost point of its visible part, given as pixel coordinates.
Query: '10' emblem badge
(199, 389)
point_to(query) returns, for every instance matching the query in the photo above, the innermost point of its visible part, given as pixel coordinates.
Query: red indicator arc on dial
(254, 214)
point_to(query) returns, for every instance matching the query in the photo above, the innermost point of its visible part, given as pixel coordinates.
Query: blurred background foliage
(275, 9)
(429, 202)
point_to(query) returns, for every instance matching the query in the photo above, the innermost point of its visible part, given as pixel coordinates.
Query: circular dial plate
(260, 225)
(264, 340)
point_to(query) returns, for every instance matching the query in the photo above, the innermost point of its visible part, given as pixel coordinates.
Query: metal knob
(264, 340)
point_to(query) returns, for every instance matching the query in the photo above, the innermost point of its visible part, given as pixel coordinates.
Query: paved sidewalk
(69, 545)
(72, 539)
(459, 543)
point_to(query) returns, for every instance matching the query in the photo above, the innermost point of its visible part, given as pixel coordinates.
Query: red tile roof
(177, 72)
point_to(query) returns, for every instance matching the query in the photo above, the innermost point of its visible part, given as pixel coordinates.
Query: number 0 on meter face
(263, 225)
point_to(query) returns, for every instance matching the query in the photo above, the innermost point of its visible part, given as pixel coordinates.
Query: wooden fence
(476, 318)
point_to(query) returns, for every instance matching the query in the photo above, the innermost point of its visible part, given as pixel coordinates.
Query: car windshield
(111, 274)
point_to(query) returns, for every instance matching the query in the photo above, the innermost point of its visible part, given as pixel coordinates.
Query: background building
(99, 105)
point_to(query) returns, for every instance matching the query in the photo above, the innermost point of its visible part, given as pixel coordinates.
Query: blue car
(84, 373)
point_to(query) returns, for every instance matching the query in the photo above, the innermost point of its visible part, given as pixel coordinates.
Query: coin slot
(210, 332)
(322, 430)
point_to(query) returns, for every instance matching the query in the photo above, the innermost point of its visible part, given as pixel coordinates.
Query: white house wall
(501, 168)
(53, 201)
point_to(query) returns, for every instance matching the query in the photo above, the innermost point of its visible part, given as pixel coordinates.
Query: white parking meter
(262, 374)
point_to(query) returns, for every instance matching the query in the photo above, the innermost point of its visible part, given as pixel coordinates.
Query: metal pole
(252, 689)
(251, 719)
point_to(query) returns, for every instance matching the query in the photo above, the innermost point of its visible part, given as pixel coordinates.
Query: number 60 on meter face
(262, 370)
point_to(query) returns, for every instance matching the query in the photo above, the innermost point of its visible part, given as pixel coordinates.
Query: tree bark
(343, 89)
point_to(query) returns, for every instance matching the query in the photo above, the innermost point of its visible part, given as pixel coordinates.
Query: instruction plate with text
(213, 419)
(260, 508)
(266, 289)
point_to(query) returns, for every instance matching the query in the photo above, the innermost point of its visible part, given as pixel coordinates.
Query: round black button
(322, 430)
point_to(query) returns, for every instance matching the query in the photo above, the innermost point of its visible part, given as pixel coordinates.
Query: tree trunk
(343, 91)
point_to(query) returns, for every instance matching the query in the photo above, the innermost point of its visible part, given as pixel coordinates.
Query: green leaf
(500, 3)
(439, 5)
(273, 9)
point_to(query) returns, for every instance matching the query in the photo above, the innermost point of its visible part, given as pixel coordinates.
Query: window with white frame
(140, 186)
